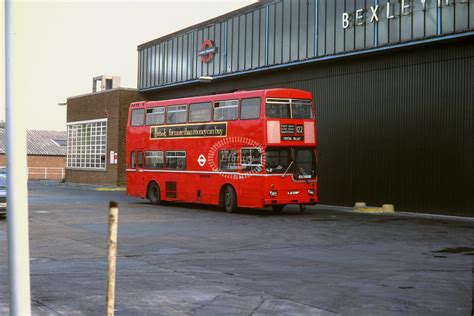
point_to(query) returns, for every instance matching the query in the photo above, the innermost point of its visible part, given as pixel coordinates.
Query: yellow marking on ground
(111, 189)
(373, 210)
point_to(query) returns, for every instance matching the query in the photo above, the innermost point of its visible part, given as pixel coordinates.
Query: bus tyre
(154, 193)
(230, 200)
(278, 208)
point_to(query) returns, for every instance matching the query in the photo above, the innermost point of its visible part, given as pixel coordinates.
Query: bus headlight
(273, 193)
(311, 192)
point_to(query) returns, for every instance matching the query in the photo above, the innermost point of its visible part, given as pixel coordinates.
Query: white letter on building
(405, 7)
(374, 13)
(389, 15)
(345, 20)
(359, 17)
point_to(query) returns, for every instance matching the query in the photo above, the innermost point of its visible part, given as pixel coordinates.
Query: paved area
(182, 259)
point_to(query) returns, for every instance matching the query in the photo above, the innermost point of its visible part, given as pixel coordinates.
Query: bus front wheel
(230, 200)
(154, 193)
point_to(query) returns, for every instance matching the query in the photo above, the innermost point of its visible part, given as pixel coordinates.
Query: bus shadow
(257, 212)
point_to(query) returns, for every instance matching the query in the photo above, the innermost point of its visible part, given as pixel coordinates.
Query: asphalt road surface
(182, 259)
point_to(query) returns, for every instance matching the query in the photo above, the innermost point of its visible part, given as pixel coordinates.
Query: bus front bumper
(296, 200)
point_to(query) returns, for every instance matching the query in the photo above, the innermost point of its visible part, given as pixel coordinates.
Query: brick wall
(43, 167)
(113, 105)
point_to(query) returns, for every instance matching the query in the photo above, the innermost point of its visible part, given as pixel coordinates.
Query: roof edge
(100, 92)
(220, 18)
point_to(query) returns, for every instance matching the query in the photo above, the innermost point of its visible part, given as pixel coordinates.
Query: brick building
(46, 154)
(96, 135)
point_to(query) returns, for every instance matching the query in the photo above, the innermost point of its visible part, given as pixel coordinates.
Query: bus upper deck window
(278, 108)
(301, 109)
(250, 109)
(155, 116)
(226, 110)
(138, 117)
(176, 114)
(200, 112)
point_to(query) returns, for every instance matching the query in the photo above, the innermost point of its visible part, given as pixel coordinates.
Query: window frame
(87, 145)
(175, 151)
(258, 165)
(236, 169)
(143, 117)
(234, 106)
(133, 157)
(210, 112)
(259, 108)
(176, 106)
(154, 151)
(279, 150)
(152, 108)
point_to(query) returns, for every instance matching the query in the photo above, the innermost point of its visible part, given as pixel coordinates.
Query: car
(3, 194)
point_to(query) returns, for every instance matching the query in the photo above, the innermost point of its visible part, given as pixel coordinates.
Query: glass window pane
(137, 117)
(155, 116)
(200, 112)
(278, 110)
(277, 160)
(140, 159)
(176, 114)
(81, 149)
(226, 110)
(251, 159)
(154, 160)
(250, 109)
(228, 160)
(305, 164)
(301, 109)
(176, 160)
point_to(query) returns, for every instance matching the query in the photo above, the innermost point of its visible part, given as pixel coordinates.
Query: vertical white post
(17, 191)
(111, 259)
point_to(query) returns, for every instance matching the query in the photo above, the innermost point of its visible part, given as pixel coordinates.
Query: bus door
(139, 174)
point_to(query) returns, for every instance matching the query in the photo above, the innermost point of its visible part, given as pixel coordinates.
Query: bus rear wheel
(278, 208)
(154, 193)
(230, 200)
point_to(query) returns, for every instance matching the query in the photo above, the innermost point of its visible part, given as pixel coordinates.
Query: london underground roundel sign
(207, 51)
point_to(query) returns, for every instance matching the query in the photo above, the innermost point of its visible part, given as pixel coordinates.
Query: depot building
(392, 83)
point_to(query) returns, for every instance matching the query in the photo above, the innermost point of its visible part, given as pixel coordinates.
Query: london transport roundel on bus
(202, 160)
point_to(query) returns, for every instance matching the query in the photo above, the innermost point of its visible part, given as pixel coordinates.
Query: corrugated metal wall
(392, 128)
(287, 31)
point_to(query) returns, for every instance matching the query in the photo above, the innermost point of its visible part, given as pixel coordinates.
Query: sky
(57, 47)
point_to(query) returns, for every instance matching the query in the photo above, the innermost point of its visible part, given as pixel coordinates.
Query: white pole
(111, 259)
(17, 191)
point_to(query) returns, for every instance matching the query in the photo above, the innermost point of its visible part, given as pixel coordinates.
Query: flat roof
(220, 18)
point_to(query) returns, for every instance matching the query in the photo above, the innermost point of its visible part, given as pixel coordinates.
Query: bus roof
(272, 93)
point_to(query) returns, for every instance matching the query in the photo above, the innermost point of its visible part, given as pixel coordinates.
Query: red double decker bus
(244, 149)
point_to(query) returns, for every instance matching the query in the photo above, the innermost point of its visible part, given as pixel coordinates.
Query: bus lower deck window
(154, 160)
(176, 160)
(132, 160)
(251, 159)
(228, 160)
